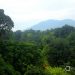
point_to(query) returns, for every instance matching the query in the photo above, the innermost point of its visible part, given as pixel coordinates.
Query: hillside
(48, 24)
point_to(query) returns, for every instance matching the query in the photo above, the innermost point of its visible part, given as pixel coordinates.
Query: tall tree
(6, 24)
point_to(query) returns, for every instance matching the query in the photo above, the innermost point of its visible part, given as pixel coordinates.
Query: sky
(26, 13)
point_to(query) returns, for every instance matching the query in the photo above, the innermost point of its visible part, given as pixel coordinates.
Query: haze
(26, 13)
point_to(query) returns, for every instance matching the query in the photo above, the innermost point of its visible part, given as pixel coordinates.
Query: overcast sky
(26, 13)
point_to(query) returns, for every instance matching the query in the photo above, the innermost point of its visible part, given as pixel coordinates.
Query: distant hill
(48, 24)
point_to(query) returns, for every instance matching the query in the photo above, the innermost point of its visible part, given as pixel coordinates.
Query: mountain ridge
(51, 24)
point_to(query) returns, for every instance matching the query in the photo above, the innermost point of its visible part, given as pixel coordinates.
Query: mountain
(50, 24)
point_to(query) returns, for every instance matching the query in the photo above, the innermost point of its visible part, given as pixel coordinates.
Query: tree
(18, 35)
(6, 24)
(59, 52)
(64, 31)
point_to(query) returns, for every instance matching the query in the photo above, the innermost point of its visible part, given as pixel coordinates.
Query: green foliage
(36, 52)
(21, 54)
(6, 25)
(64, 31)
(5, 68)
(56, 71)
(59, 53)
(34, 70)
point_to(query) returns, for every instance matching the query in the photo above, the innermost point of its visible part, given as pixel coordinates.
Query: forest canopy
(34, 52)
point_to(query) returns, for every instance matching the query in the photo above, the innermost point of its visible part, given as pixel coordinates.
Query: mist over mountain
(50, 24)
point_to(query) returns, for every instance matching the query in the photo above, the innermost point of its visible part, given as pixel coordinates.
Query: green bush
(56, 71)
